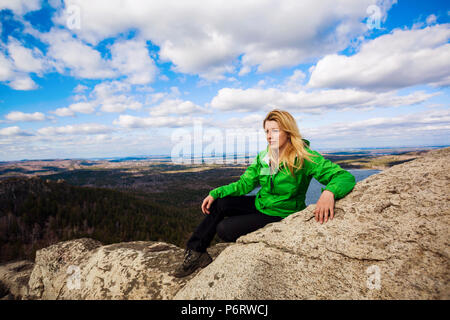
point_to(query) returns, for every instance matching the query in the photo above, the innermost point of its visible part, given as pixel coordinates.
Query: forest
(37, 212)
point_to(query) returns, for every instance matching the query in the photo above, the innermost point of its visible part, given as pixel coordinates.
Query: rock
(14, 279)
(51, 266)
(85, 269)
(389, 240)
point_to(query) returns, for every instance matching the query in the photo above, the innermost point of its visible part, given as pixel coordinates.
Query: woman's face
(275, 137)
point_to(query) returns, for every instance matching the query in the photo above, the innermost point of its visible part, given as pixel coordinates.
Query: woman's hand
(207, 204)
(325, 206)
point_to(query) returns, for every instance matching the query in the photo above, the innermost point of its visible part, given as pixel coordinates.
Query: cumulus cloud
(400, 59)
(108, 96)
(63, 112)
(119, 103)
(76, 129)
(13, 132)
(431, 19)
(69, 53)
(80, 88)
(252, 121)
(317, 101)
(80, 107)
(295, 81)
(212, 39)
(415, 124)
(176, 107)
(18, 116)
(6, 68)
(25, 59)
(22, 82)
(20, 7)
(113, 97)
(128, 121)
(17, 62)
(131, 58)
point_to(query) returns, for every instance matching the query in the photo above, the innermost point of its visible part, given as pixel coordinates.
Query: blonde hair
(295, 151)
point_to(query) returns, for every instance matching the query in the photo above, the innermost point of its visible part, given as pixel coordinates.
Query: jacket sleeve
(336, 179)
(246, 183)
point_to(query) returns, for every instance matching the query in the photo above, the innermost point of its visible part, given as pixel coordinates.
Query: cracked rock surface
(389, 240)
(86, 269)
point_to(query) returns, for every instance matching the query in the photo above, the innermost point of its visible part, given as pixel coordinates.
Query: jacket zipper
(271, 177)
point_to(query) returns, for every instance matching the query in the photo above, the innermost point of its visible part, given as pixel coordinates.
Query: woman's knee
(224, 232)
(219, 205)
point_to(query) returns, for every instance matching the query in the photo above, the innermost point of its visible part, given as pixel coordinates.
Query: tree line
(35, 213)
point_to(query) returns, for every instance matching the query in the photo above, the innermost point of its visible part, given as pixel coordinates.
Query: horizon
(83, 80)
(249, 154)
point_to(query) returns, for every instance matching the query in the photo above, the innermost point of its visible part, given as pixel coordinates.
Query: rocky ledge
(389, 240)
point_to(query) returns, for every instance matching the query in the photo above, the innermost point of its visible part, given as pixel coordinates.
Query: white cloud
(22, 82)
(13, 131)
(155, 97)
(113, 97)
(20, 7)
(63, 112)
(296, 81)
(119, 103)
(109, 96)
(131, 58)
(20, 61)
(252, 121)
(76, 129)
(431, 19)
(79, 107)
(210, 56)
(80, 88)
(25, 60)
(106, 89)
(177, 107)
(414, 125)
(68, 52)
(208, 38)
(400, 59)
(317, 101)
(18, 116)
(128, 121)
(6, 68)
(83, 107)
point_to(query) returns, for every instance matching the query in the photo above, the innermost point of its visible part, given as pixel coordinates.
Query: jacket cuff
(213, 193)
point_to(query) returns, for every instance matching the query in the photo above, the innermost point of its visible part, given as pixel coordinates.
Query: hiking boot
(192, 261)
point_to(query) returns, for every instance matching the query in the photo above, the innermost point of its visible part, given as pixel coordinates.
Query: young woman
(283, 170)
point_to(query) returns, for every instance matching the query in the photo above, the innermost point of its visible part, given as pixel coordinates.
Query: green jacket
(282, 194)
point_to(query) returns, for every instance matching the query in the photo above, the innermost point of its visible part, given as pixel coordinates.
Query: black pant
(242, 217)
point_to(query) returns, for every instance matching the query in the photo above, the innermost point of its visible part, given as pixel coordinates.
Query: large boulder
(14, 277)
(85, 269)
(389, 240)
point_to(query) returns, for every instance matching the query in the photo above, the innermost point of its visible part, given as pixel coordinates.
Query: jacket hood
(306, 141)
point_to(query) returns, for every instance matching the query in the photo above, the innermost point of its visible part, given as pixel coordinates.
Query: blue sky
(86, 79)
